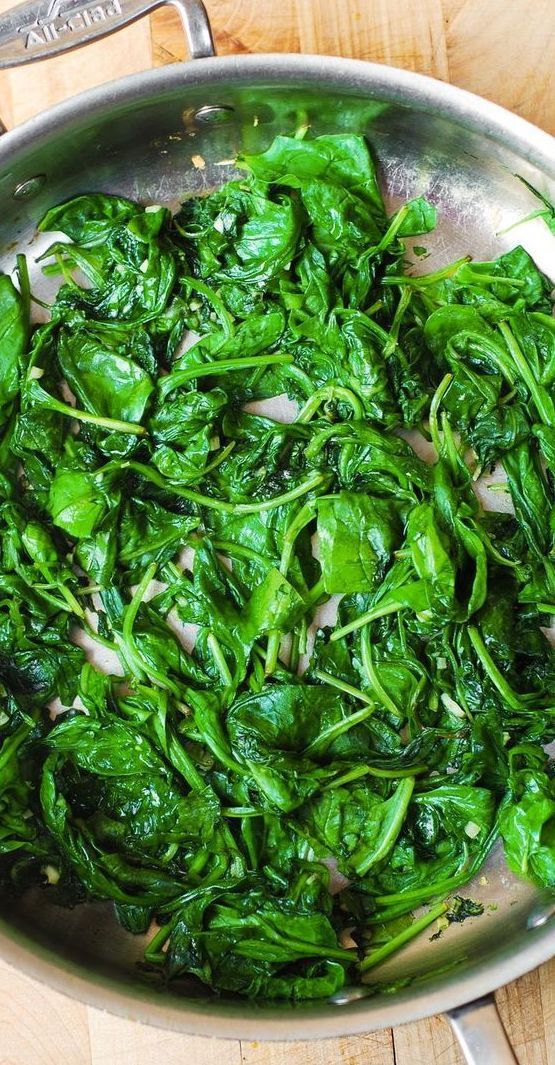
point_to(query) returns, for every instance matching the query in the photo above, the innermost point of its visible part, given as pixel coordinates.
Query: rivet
(215, 114)
(541, 915)
(26, 189)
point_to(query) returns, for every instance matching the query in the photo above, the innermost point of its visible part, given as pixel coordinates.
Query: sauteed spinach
(242, 750)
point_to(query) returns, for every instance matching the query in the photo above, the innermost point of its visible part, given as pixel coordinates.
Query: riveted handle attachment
(39, 29)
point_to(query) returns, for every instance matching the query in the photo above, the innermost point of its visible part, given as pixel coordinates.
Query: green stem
(320, 439)
(434, 407)
(374, 771)
(493, 279)
(241, 811)
(384, 916)
(70, 599)
(326, 395)
(341, 685)
(373, 614)
(424, 280)
(311, 483)
(400, 311)
(233, 550)
(217, 461)
(487, 542)
(294, 654)
(462, 875)
(220, 662)
(211, 369)
(223, 314)
(59, 604)
(382, 695)
(364, 860)
(542, 400)
(185, 765)
(315, 593)
(304, 948)
(329, 735)
(383, 952)
(302, 378)
(153, 951)
(114, 424)
(133, 608)
(302, 518)
(272, 651)
(393, 228)
(103, 641)
(497, 678)
(127, 555)
(127, 644)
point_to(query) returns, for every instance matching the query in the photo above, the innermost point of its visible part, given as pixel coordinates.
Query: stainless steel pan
(138, 137)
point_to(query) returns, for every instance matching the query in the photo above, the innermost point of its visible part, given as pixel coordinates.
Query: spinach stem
(360, 771)
(60, 604)
(329, 394)
(233, 550)
(153, 951)
(113, 424)
(329, 735)
(314, 594)
(316, 480)
(211, 369)
(343, 686)
(294, 654)
(497, 678)
(364, 858)
(424, 280)
(223, 314)
(439, 393)
(373, 614)
(127, 641)
(371, 673)
(402, 306)
(218, 656)
(220, 457)
(70, 599)
(185, 765)
(381, 953)
(542, 400)
(302, 518)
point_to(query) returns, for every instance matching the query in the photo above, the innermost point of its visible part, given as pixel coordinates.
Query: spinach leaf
(14, 335)
(357, 536)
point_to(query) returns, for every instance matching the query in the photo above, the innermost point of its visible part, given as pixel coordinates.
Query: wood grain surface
(502, 49)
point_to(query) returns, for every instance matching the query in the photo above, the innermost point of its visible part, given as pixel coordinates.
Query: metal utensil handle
(40, 29)
(480, 1032)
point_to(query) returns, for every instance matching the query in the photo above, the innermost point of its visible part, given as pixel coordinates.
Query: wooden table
(502, 49)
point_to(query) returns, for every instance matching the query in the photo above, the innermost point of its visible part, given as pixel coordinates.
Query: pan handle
(480, 1032)
(40, 29)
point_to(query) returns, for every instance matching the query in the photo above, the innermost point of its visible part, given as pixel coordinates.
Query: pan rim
(272, 69)
(533, 145)
(267, 1023)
